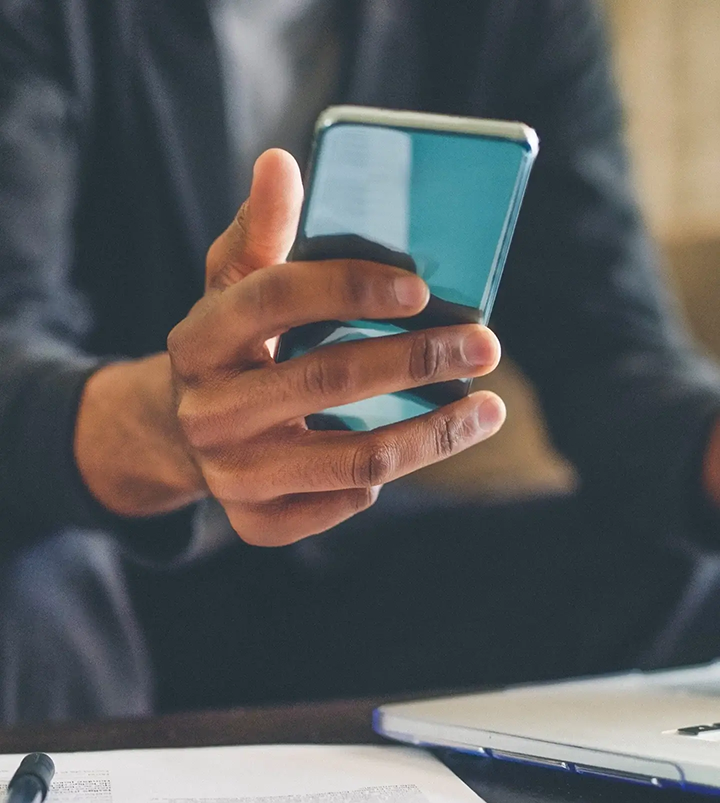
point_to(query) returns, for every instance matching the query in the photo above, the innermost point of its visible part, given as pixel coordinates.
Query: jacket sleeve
(42, 321)
(44, 109)
(582, 307)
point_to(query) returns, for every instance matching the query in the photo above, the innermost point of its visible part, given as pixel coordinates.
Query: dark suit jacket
(114, 180)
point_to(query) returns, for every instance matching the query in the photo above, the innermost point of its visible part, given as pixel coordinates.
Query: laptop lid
(658, 728)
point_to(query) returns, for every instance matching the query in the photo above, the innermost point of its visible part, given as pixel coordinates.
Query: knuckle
(327, 377)
(275, 524)
(193, 424)
(450, 435)
(181, 352)
(241, 216)
(362, 499)
(252, 528)
(228, 482)
(357, 288)
(373, 464)
(174, 339)
(426, 357)
(270, 291)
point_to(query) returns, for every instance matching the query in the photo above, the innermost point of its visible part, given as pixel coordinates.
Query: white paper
(274, 774)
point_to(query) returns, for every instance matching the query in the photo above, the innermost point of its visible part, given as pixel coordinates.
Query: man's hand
(244, 415)
(240, 430)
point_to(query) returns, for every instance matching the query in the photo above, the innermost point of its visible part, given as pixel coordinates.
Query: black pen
(31, 781)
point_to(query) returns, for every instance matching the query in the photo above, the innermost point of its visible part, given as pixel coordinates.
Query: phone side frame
(422, 121)
(503, 248)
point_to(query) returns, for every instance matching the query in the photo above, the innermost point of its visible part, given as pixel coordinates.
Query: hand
(217, 415)
(244, 415)
(711, 473)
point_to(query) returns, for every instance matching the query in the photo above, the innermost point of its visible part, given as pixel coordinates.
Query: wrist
(128, 446)
(711, 467)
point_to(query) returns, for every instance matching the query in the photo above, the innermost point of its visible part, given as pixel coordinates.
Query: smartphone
(432, 194)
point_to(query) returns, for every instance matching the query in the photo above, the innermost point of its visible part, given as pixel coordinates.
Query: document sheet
(263, 774)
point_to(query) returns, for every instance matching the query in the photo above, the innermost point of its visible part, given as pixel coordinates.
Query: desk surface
(325, 723)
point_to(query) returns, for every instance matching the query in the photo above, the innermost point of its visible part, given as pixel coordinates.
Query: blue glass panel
(442, 205)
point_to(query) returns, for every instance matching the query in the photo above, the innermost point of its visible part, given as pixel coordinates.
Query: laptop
(661, 729)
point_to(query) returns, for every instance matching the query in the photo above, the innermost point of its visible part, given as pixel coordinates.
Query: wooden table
(325, 723)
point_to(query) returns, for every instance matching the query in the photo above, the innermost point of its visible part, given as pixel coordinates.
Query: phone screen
(440, 204)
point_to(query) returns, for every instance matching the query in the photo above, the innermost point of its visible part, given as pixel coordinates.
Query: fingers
(305, 292)
(348, 372)
(367, 459)
(291, 518)
(243, 416)
(271, 301)
(264, 229)
(262, 399)
(310, 462)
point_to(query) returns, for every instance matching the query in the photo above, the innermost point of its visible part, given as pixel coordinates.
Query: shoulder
(27, 28)
(37, 35)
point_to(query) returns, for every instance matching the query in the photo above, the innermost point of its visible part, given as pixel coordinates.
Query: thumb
(264, 229)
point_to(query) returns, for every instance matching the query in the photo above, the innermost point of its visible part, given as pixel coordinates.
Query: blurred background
(667, 59)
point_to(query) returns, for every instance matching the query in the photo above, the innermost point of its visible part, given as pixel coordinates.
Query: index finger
(271, 301)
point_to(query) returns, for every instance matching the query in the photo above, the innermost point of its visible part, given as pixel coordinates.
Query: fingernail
(490, 414)
(478, 349)
(410, 291)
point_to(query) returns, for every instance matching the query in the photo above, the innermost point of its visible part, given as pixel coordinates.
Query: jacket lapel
(428, 56)
(179, 75)
(382, 42)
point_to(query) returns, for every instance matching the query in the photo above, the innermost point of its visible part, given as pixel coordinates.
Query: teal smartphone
(432, 194)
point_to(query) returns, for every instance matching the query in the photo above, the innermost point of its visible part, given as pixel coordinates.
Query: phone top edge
(504, 129)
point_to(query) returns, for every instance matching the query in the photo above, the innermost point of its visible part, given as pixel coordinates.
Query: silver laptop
(656, 728)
